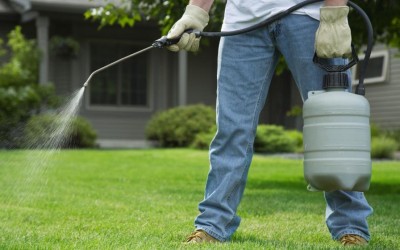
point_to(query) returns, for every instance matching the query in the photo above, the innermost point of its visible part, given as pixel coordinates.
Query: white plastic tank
(337, 141)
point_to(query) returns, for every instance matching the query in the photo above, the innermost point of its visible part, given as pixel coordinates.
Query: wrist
(334, 14)
(204, 4)
(198, 14)
(335, 2)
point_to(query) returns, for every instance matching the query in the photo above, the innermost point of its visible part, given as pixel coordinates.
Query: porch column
(182, 78)
(42, 31)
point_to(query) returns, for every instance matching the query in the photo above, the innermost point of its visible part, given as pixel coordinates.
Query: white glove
(194, 18)
(333, 37)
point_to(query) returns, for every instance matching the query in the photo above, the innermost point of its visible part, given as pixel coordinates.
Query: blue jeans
(246, 64)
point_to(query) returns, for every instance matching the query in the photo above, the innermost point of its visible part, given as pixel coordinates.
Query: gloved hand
(333, 37)
(194, 18)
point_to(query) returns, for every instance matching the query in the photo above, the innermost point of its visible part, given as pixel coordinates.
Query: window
(122, 85)
(376, 69)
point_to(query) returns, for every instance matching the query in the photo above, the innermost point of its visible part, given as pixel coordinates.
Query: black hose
(360, 89)
(266, 22)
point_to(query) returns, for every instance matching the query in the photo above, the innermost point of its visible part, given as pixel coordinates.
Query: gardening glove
(333, 36)
(194, 18)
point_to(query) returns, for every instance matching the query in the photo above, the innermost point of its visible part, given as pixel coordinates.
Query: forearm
(204, 4)
(335, 2)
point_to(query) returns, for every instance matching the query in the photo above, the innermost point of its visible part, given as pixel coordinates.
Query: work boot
(200, 236)
(353, 240)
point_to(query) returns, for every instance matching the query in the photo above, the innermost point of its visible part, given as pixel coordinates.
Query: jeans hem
(345, 232)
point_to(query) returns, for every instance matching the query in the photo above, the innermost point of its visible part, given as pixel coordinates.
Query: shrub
(40, 133)
(20, 94)
(273, 139)
(297, 137)
(177, 127)
(269, 139)
(394, 134)
(375, 130)
(203, 140)
(82, 134)
(383, 147)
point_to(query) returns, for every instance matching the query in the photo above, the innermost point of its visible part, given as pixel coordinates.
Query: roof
(5, 7)
(69, 5)
(58, 5)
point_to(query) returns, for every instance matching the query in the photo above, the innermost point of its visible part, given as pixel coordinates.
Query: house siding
(122, 127)
(384, 97)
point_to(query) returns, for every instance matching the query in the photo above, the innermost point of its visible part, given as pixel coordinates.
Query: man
(246, 64)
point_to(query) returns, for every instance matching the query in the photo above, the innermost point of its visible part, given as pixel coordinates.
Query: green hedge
(203, 140)
(297, 138)
(395, 135)
(20, 94)
(269, 139)
(178, 127)
(273, 139)
(39, 133)
(384, 142)
(383, 147)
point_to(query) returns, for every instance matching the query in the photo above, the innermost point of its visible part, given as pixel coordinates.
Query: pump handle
(337, 68)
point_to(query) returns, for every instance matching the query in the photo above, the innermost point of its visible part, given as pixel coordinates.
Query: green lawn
(147, 199)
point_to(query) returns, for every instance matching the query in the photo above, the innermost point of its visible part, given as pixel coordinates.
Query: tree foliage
(384, 15)
(385, 20)
(164, 12)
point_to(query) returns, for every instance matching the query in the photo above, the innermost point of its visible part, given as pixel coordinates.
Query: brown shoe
(199, 236)
(353, 240)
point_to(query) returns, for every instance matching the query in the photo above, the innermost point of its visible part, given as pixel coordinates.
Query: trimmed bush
(375, 130)
(394, 134)
(297, 137)
(203, 140)
(273, 139)
(178, 127)
(383, 147)
(20, 94)
(39, 133)
(269, 139)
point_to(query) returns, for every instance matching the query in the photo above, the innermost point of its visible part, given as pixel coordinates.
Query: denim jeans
(246, 64)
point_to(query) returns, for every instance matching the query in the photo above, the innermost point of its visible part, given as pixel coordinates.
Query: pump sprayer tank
(336, 131)
(336, 137)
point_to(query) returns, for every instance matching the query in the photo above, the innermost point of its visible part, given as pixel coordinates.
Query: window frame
(369, 80)
(149, 76)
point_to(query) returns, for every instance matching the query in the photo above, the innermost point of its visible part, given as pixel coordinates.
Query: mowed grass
(147, 199)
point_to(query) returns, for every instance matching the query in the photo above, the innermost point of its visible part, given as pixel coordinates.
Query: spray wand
(165, 42)
(160, 43)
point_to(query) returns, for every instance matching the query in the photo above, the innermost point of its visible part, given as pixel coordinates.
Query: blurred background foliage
(384, 16)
